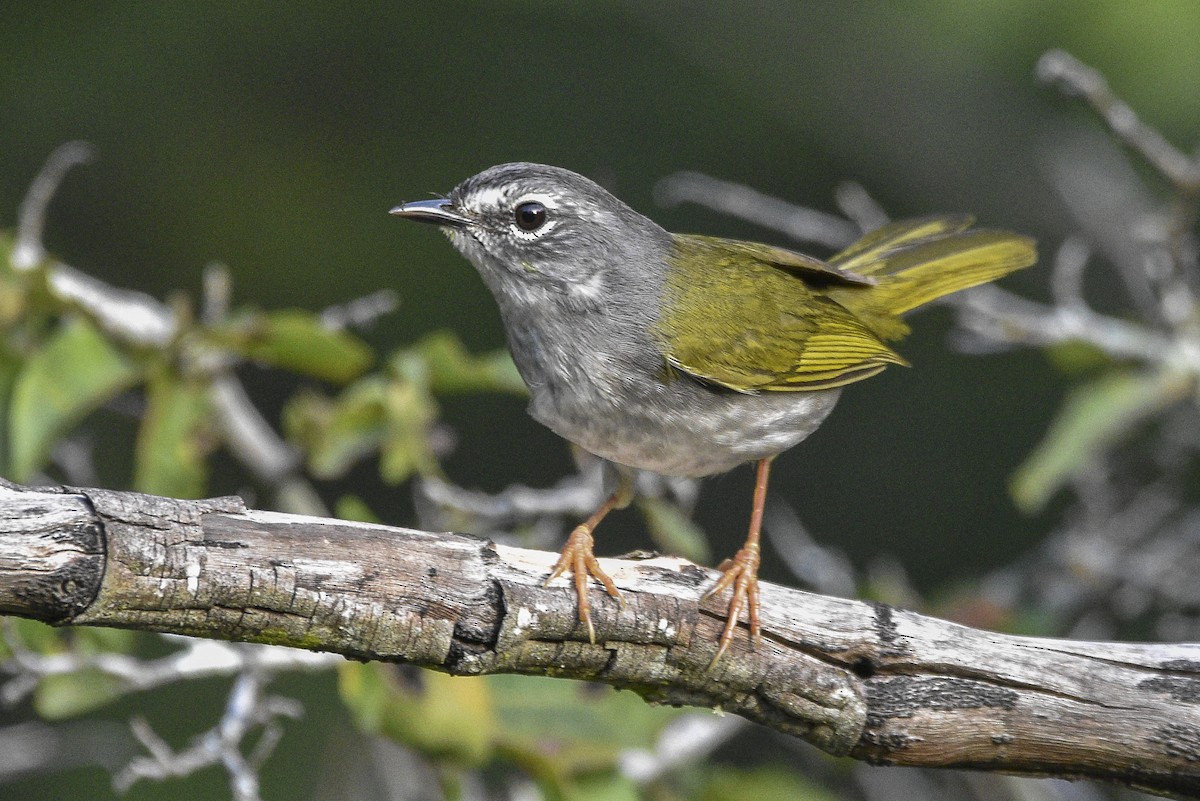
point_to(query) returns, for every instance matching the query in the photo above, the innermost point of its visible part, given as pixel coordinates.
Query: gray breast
(628, 413)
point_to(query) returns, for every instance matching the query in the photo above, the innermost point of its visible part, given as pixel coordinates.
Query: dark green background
(274, 139)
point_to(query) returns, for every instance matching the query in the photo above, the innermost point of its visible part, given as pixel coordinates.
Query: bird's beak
(438, 212)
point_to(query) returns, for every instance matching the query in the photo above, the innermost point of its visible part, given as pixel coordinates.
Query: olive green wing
(817, 272)
(754, 318)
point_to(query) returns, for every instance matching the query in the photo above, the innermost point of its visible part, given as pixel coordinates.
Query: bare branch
(254, 442)
(575, 495)
(1001, 316)
(865, 680)
(685, 740)
(133, 317)
(1060, 67)
(197, 659)
(361, 312)
(856, 203)
(246, 710)
(800, 223)
(1066, 280)
(29, 250)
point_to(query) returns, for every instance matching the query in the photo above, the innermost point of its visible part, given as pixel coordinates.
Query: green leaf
(336, 434)
(673, 531)
(75, 372)
(568, 735)
(352, 507)
(589, 724)
(1094, 418)
(33, 635)
(767, 783)
(10, 368)
(93, 641)
(609, 785)
(175, 438)
(297, 340)
(14, 289)
(67, 695)
(441, 362)
(409, 414)
(1078, 358)
(393, 415)
(446, 717)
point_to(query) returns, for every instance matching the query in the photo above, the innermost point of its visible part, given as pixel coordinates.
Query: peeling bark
(858, 679)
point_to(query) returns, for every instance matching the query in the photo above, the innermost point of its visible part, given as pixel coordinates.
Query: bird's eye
(530, 215)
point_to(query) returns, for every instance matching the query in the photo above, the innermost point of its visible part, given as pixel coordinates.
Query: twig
(361, 312)
(573, 496)
(1066, 279)
(856, 203)
(1074, 76)
(246, 709)
(1002, 316)
(744, 203)
(31, 218)
(685, 740)
(196, 659)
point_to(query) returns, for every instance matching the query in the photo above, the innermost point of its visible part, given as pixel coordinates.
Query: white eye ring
(532, 217)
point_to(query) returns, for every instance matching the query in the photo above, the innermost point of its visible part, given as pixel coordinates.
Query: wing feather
(740, 319)
(754, 318)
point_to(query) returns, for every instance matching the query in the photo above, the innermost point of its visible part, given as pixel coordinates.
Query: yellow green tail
(916, 261)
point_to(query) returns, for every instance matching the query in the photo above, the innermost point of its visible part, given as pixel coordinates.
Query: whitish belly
(680, 430)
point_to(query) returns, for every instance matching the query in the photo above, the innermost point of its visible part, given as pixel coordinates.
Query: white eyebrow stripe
(490, 196)
(548, 201)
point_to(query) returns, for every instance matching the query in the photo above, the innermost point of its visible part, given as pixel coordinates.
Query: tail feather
(868, 256)
(919, 261)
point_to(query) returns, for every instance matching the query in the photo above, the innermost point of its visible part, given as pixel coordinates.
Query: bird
(690, 355)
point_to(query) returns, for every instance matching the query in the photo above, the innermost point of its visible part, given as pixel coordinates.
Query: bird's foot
(577, 558)
(740, 574)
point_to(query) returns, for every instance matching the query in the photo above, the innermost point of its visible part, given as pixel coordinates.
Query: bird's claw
(740, 574)
(578, 559)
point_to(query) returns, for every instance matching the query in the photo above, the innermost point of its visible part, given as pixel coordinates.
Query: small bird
(690, 355)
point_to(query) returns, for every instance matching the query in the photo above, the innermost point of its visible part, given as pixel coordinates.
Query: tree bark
(864, 680)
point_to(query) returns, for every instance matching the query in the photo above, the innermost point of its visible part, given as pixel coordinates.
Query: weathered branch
(864, 680)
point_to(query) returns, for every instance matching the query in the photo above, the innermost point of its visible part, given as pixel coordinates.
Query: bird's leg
(741, 572)
(578, 559)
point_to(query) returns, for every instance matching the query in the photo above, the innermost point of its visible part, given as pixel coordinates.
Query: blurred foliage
(295, 340)
(1095, 418)
(59, 365)
(761, 784)
(391, 412)
(69, 373)
(673, 531)
(176, 437)
(566, 735)
(68, 695)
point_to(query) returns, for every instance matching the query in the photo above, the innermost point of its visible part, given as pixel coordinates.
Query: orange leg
(741, 572)
(577, 557)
